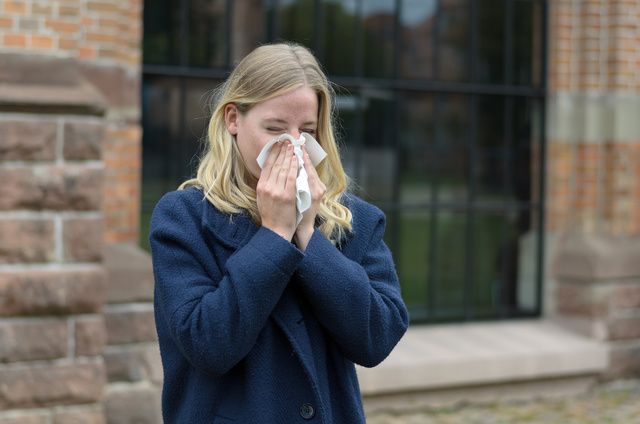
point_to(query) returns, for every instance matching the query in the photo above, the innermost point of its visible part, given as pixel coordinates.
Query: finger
(275, 169)
(292, 174)
(286, 168)
(271, 159)
(308, 165)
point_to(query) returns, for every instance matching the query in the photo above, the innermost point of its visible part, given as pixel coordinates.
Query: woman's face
(293, 112)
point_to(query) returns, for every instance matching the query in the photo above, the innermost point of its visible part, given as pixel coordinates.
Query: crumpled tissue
(316, 154)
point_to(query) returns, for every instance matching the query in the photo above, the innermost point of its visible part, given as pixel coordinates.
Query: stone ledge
(446, 357)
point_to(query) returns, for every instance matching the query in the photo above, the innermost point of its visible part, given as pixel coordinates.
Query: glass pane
(248, 27)
(347, 130)
(525, 46)
(161, 41)
(413, 256)
(489, 254)
(521, 169)
(491, 35)
(378, 21)
(295, 21)
(198, 108)
(452, 152)
(207, 35)
(418, 22)
(378, 155)
(453, 40)
(418, 158)
(340, 26)
(490, 149)
(448, 287)
(504, 264)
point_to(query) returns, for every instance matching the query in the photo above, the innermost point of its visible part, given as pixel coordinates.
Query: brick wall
(593, 175)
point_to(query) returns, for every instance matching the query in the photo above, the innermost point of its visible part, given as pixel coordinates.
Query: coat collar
(232, 230)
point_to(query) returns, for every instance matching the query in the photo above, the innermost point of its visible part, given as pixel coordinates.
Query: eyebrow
(282, 121)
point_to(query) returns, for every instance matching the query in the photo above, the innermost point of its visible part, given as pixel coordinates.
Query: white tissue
(316, 154)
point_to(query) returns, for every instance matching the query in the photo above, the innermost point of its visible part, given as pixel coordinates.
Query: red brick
(15, 40)
(49, 385)
(27, 140)
(25, 241)
(32, 340)
(52, 292)
(15, 6)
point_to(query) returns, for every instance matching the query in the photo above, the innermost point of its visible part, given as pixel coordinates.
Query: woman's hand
(316, 186)
(276, 191)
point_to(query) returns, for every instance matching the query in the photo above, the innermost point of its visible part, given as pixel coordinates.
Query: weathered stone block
(133, 324)
(60, 188)
(52, 292)
(128, 403)
(31, 340)
(624, 328)
(91, 335)
(75, 415)
(133, 363)
(28, 140)
(26, 241)
(130, 273)
(24, 417)
(83, 141)
(82, 239)
(41, 386)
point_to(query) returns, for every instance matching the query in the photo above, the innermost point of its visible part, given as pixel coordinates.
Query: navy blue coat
(253, 330)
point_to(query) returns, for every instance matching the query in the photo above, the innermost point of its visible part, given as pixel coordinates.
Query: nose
(295, 134)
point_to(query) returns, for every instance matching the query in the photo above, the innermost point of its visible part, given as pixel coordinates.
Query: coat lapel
(234, 232)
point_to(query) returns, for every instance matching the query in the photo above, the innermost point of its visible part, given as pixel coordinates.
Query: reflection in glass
(340, 28)
(413, 256)
(378, 20)
(418, 155)
(207, 36)
(295, 21)
(525, 46)
(417, 19)
(248, 27)
(452, 162)
(491, 36)
(161, 41)
(449, 284)
(453, 37)
(504, 272)
(378, 155)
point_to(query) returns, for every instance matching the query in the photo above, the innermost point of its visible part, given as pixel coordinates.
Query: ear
(231, 118)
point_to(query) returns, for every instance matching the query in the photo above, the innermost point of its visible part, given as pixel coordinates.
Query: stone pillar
(593, 157)
(76, 323)
(52, 282)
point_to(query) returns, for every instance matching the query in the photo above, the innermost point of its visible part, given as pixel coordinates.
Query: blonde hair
(270, 71)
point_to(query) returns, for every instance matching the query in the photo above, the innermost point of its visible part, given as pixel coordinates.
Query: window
(441, 116)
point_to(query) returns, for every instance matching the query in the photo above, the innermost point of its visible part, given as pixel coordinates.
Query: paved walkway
(613, 403)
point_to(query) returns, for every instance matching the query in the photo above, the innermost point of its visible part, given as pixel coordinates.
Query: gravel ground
(617, 402)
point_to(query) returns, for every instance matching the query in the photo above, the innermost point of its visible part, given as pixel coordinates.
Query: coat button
(306, 411)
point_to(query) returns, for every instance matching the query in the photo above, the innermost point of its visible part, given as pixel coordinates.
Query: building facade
(504, 136)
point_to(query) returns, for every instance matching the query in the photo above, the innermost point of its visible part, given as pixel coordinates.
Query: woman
(261, 320)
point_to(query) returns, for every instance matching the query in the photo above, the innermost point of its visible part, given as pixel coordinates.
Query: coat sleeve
(215, 319)
(358, 303)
